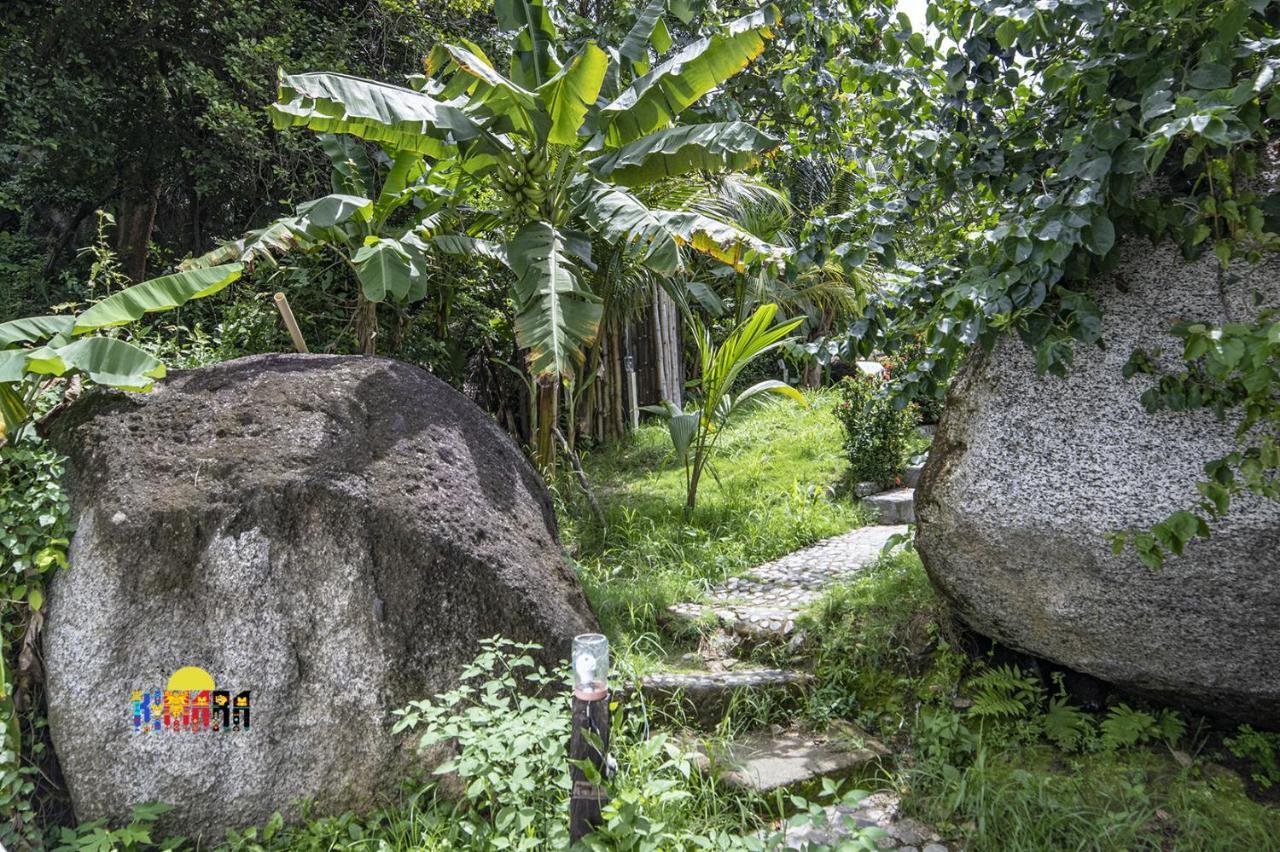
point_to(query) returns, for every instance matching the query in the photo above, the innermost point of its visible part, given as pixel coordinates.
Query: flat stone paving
(764, 761)
(767, 601)
(672, 681)
(893, 507)
(879, 810)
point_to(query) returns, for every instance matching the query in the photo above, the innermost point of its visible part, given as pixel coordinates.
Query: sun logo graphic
(189, 703)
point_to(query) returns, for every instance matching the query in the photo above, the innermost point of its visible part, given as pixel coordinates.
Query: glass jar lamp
(590, 666)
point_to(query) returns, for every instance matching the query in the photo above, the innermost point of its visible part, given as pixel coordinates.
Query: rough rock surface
(1027, 476)
(333, 534)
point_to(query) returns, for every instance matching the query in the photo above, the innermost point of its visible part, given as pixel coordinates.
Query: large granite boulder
(332, 535)
(1028, 475)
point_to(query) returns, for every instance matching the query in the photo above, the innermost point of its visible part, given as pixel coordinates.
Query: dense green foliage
(155, 111)
(33, 544)
(875, 429)
(525, 169)
(1018, 154)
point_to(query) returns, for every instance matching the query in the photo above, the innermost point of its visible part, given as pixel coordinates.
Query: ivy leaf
(1210, 75)
(1100, 236)
(1007, 34)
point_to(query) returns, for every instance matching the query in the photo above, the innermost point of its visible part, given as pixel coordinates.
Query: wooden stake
(286, 314)
(586, 800)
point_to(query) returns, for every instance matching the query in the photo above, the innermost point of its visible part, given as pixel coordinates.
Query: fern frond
(1066, 726)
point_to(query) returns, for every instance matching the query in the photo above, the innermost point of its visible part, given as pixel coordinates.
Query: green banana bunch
(522, 184)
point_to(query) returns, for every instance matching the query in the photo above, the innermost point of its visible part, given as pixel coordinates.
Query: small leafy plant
(96, 836)
(1262, 749)
(695, 432)
(876, 430)
(510, 745)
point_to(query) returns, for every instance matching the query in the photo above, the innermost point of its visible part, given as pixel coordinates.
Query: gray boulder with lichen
(1027, 476)
(333, 534)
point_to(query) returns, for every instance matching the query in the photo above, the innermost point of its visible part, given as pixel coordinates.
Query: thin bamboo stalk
(286, 314)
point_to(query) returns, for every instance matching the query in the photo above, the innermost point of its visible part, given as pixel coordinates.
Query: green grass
(882, 654)
(778, 470)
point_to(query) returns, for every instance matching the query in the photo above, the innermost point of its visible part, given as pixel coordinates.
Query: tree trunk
(366, 325)
(691, 498)
(618, 412)
(813, 370)
(133, 230)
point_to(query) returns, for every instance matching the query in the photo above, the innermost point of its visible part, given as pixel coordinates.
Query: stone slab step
(705, 697)
(879, 810)
(911, 474)
(766, 761)
(748, 622)
(893, 507)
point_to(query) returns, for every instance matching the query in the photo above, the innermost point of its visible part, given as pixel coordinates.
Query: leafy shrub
(34, 529)
(876, 429)
(907, 364)
(1262, 749)
(511, 748)
(96, 836)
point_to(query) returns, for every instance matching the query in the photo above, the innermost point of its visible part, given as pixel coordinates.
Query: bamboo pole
(286, 314)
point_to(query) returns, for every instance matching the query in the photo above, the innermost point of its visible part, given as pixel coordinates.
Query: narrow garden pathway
(764, 606)
(769, 599)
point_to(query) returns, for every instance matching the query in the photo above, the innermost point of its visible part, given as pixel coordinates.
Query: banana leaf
(556, 315)
(727, 145)
(654, 100)
(401, 119)
(158, 294)
(568, 95)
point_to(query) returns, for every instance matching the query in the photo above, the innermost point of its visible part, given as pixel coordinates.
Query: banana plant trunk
(548, 404)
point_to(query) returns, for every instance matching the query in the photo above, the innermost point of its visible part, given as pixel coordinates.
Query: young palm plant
(696, 430)
(536, 163)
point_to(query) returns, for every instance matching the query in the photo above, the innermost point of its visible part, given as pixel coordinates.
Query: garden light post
(589, 740)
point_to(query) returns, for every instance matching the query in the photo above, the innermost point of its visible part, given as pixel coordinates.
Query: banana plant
(696, 429)
(34, 350)
(538, 162)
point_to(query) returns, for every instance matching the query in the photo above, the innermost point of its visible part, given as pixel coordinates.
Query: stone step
(878, 810)
(768, 760)
(911, 474)
(893, 507)
(765, 604)
(747, 622)
(705, 697)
